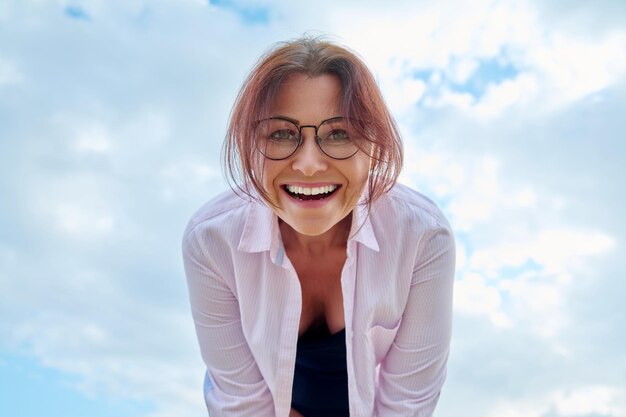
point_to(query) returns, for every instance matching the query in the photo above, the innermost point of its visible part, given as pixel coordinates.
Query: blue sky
(112, 115)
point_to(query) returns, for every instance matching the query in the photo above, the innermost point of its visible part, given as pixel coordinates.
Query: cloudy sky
(112, 115)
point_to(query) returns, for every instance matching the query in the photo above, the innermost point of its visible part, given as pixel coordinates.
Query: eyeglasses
(278, 138)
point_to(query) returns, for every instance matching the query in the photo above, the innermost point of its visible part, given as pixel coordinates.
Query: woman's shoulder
(225, 209)
(408, 205)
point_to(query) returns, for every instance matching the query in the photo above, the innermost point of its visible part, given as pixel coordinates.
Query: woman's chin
(311, 229)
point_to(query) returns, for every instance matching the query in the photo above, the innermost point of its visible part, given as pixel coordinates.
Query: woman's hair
(362, 104)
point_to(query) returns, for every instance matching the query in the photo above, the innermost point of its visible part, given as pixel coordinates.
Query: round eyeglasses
(278, 138)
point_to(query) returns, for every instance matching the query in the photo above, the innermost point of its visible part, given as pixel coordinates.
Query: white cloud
(113, 358)
(525, 197)
(578, 402)
(403, 92)
(8, 265)
(556, 250)
(519, 91)
(450, 98)
(575, 67)
(94, 139)
(519, 409)
(555, 67)
(189, 177)
(475, 184)
(77, 221)
(537, 301)
(9, 73)
(459, 71)
(603, 400)
(474, 296)
(78, 208)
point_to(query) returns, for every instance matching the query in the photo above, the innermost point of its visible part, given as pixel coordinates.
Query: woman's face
(309, 101)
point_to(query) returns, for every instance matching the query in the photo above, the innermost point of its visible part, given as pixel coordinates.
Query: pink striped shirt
(397, 292)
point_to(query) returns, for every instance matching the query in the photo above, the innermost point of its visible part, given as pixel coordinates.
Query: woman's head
(355, 97)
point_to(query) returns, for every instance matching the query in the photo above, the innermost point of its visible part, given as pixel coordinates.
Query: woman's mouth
(310, 193)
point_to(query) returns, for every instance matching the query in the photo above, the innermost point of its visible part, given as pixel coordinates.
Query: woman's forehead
(301, 97)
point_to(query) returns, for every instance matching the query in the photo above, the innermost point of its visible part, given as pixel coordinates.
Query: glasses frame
(318, 139)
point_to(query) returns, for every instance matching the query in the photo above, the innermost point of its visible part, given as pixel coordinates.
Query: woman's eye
(283, 134)
(338, 134)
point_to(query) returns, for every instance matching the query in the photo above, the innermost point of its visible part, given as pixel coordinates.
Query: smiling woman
(313, 101)
(321, 287)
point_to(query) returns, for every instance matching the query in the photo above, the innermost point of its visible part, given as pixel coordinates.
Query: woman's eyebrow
(297, 122)
(292, 120)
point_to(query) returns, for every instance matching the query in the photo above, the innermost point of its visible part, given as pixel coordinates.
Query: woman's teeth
(294, 189)
(310, 193)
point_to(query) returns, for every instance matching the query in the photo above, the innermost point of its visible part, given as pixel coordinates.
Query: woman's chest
(322, 298)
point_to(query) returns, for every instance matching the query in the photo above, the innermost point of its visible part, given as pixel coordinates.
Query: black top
(320, 381)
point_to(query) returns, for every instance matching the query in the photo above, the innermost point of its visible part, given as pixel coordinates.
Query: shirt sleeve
(234, 385)
(414, 370)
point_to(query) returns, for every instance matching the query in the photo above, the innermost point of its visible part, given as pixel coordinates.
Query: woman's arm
(413, 372)
(233, 386)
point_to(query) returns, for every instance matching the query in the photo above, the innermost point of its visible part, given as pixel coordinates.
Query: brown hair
(361, 102)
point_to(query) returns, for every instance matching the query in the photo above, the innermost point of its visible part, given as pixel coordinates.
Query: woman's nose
(309, 158)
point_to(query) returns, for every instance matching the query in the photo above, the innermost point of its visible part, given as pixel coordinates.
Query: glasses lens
(337, 138)
(276, 138)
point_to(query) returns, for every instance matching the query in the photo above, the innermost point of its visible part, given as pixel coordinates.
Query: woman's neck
(336, 237)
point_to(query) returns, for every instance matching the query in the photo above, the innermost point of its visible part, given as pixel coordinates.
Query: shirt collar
(261, 232)
(362, 224)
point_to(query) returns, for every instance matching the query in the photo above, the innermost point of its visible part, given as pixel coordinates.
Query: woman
(322, 288)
